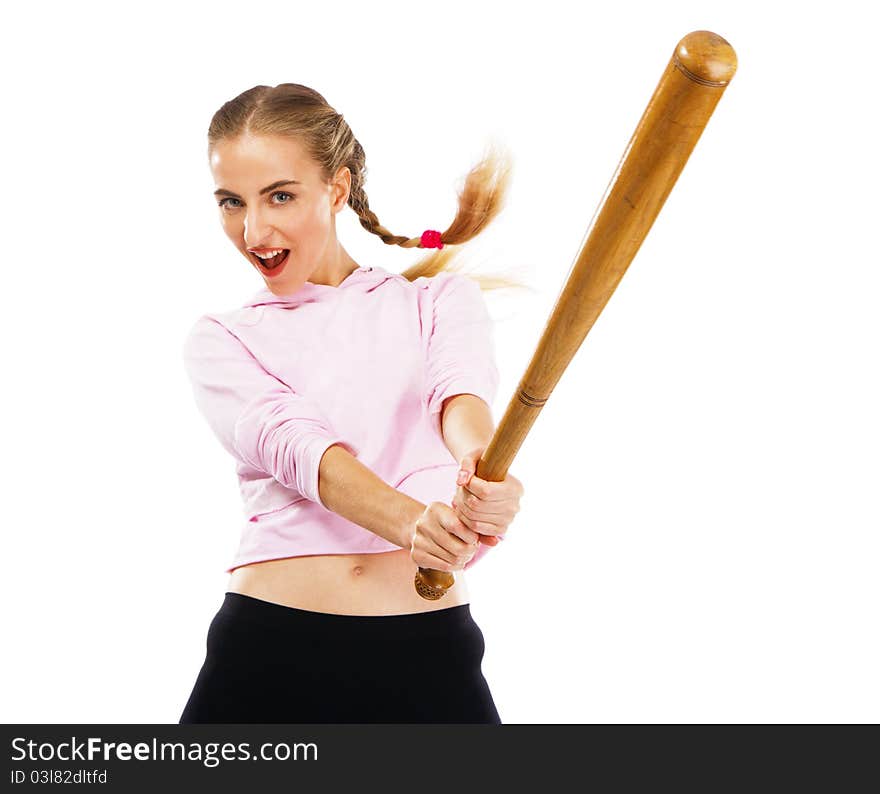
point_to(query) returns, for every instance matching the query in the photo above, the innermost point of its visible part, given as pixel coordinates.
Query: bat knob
(432, 585)
(706, 58)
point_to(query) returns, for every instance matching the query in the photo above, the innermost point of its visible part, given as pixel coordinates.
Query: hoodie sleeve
(461, 358)
(257, 418)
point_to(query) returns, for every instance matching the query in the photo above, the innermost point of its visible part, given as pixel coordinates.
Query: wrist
(408, 511)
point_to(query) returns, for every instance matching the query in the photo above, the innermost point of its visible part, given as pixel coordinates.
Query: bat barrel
(690, 87)
(699, 70)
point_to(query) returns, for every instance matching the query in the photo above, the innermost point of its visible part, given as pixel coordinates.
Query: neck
(334, 272)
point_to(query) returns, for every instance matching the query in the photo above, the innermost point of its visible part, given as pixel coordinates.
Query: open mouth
(273, 263)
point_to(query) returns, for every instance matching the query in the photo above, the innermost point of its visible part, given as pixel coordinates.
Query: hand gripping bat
(699, 70)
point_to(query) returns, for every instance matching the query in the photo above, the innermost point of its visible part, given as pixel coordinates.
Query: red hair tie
(430, 239)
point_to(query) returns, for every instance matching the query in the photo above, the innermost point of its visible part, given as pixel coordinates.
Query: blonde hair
(294, 110)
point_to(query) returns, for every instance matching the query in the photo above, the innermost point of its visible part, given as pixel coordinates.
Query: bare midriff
(344, 584)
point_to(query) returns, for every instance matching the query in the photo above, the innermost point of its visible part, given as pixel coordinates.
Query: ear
(340, 188)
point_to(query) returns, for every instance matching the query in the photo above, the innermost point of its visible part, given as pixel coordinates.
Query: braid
(479, 200)
(359, 203)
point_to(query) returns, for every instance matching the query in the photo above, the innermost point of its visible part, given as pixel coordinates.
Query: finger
(516, 485)
(489, 491)
(425, 560)
(484, 524)
(443, 526)
(484, 528)
(459, 541)
(477, 510)
(432, 555)
(468, 514)
(452, 523)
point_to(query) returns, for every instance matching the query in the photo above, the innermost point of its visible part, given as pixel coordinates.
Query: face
(258, 211)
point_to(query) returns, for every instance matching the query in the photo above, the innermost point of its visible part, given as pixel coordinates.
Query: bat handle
(432, 585)
(493, 465)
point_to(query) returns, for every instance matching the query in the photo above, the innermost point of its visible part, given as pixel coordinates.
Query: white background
(698, 541)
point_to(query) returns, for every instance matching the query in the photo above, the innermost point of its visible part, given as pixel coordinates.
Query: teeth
(268, 254)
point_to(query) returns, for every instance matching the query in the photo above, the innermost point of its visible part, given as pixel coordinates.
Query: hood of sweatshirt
(363, 279)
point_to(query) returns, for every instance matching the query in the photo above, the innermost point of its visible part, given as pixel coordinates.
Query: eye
(224, 205)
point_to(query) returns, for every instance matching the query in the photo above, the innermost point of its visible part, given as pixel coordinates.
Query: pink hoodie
(366, 365)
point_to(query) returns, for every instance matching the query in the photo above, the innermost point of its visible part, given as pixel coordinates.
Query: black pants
(269, 663)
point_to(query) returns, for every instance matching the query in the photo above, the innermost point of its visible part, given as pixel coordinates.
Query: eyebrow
(222, 192)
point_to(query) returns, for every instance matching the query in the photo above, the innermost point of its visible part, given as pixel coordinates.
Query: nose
(256, 229)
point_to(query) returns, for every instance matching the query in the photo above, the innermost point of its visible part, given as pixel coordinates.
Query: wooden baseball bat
(699, 70)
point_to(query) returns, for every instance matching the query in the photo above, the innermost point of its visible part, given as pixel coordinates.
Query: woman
(349, 397)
